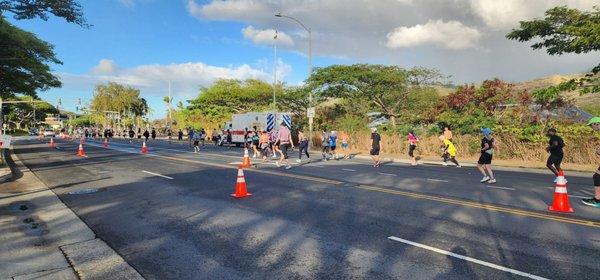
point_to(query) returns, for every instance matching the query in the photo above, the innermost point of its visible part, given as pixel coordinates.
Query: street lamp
(311, 109)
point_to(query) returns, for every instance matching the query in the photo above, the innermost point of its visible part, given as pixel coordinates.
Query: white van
(259, 121)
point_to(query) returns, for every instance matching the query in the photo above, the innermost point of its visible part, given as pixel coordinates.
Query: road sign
(310, 112)
(5, 141)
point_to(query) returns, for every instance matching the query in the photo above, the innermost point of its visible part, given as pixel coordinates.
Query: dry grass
(579, 155)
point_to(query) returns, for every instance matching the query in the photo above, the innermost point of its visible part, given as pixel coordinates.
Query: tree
(70, 10)
(386, 88)
(23, 62)
(22, 114)
(114, 97)
(565, 30)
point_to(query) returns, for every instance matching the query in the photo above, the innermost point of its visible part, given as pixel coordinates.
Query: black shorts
(196, 142)
(596, 178)
(284, 148)
(332, 148)
(411, 150)
(554, 160)
(374, 151)
(485, 158)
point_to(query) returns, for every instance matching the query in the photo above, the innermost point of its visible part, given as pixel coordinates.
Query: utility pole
(274, 71)
(169, 108)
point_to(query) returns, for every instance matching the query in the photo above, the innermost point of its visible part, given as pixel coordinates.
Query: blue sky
(146, 43)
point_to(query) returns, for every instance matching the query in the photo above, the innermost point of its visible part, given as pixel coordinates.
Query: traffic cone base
(241, 189)
(144, 148)
(52, 144)
(80, 151)
(560, 202)
(246, 161)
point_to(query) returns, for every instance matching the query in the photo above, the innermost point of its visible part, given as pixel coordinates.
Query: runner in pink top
(285, 142)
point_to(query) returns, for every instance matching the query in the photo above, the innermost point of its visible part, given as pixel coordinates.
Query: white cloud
(128, 3)
(185, 77)
(507, 13)
(104, 67)
(266, 36)
(452, 35)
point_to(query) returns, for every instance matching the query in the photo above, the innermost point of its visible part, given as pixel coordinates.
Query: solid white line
(387, 174)
(156, 174)
(582, 197)
(501, 188)
(484, 263)
(347, 169)
(437, 180)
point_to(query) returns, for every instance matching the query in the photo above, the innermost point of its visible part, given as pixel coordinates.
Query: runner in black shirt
(375, 146)
(484, 164)
(555, 148)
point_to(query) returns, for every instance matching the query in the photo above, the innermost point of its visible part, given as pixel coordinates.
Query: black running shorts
(554, 160)
(374, 151)
(284, 149)
(485, 158)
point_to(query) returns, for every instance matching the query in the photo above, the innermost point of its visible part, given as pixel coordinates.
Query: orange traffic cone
(240, 185)
(105, 143)
(144, 148)
(246, 162)
(80, 151)
(52, 144)
(561, 198)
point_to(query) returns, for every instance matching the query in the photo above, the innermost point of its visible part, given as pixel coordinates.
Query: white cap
(373, 129)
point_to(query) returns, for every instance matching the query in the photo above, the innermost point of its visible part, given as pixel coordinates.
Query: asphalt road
(169, 214)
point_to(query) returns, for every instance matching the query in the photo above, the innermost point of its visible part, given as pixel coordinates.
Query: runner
(488, 145)
(333, 144)
(153, 133)
(229, 139)
(324, 144)
(180, 135)
(303, 145)
(595, 200)
(375, 146)
(273, 138)
(139, 133)
(131, 135)
(190, 136)
(169, 135)
(449, 151)
(203, 137)
(215, 137)
(196, 139)
(555, 148)
(345, 144)
(285, 142)
(264, 145)
(412, 145)
(146, 135)
(255, 142)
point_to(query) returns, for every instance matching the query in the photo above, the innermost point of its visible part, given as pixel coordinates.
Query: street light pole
(310, 68)
(274, 71)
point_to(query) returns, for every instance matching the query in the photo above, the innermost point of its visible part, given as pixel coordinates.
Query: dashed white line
(501, 188)
(387, 174)
(437, 180)
(156, 174)
(469, 259)
(348, 169)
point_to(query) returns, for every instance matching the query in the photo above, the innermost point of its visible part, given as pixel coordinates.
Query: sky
(191, 43)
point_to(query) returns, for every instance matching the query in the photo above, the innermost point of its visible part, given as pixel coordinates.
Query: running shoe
(492, 181)
(298, 160)
(277, 163)
(485, 179)
(445, 163)
(459, 166)
(288, 167)
(591, 202)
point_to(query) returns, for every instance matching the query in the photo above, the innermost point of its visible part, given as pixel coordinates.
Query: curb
(92, 258)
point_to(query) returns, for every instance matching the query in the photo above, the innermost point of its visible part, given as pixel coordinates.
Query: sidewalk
(42, 238)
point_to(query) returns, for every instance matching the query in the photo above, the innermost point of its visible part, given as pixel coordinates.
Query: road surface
(168, 213)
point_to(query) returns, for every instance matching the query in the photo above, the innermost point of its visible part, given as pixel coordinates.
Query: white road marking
(321, 166)
(348, 169)
(577, 196)
(387, 174)
(103, 172)
(156, 174)
(501, 188)
(437, 180)
(484, 263)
